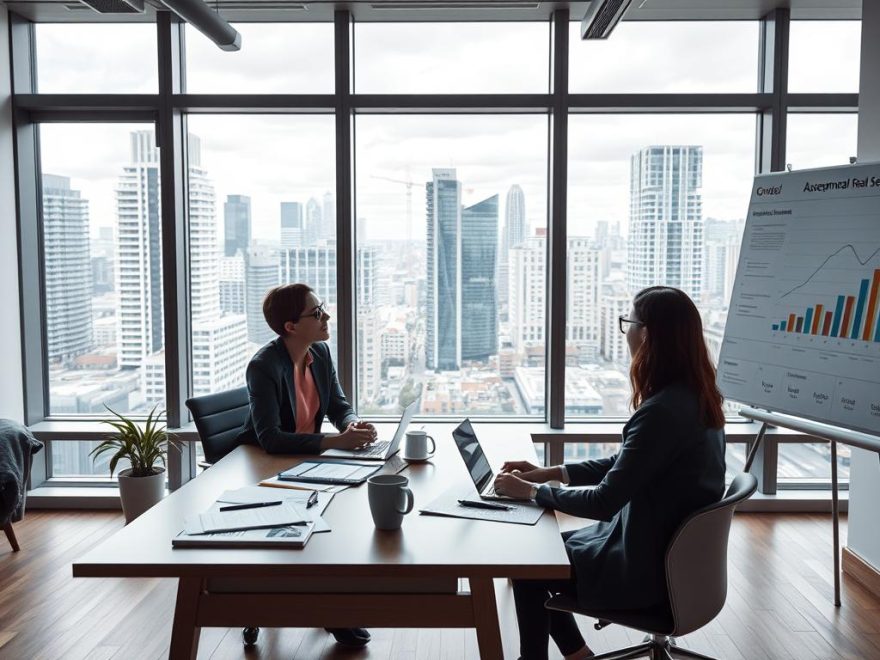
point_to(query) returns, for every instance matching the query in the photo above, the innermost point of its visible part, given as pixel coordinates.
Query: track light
(209, 23)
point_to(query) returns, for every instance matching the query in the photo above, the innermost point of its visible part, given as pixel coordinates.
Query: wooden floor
(779, 605)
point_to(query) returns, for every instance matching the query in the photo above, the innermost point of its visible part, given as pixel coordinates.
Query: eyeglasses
(317, 313)
(622, 322)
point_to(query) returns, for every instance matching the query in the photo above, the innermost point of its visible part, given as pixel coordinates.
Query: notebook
(292, 536)
(330, 472)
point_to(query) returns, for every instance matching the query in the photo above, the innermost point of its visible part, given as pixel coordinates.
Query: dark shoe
(353, 637)
(249, 636)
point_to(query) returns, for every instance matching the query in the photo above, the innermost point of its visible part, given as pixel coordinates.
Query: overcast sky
(290, 158)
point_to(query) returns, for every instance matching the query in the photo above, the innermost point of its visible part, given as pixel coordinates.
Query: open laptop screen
(472, 453)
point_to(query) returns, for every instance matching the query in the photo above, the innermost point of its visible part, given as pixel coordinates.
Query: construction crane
(409, 183)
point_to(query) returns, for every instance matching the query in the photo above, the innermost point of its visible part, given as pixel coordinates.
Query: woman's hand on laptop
(510, 484)
(350, 438)
(528, 472)
(361, 424)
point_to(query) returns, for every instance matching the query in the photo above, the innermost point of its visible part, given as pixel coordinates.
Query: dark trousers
(537, 624)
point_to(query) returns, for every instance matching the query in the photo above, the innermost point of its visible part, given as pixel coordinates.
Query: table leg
(486, 619)
(185, 632)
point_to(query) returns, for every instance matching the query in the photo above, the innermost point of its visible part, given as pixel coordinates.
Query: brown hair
(285, 303)
(674, 351)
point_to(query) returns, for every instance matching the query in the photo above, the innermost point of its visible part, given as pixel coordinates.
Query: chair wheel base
(249, 636)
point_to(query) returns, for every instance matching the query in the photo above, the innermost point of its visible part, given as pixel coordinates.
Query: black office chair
(696, 578)
(219, 419)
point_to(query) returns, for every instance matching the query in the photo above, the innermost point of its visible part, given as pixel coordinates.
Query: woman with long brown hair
(670, 463)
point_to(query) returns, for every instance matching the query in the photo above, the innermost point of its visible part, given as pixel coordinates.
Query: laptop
(476, 461)
(383, 450)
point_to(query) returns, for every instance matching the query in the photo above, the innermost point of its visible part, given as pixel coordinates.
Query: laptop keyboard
(375, 449)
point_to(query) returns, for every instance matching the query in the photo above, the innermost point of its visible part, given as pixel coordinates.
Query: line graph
(829, 258)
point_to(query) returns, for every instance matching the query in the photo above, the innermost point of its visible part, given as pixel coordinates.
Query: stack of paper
(257, 494)
(214, 520)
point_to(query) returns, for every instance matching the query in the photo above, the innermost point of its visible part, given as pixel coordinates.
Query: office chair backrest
(219, 419)
(696, 559)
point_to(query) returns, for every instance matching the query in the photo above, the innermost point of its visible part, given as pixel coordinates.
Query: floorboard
(778, 606)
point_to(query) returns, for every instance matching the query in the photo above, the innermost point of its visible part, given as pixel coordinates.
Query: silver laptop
(476, 462)
(382, 450)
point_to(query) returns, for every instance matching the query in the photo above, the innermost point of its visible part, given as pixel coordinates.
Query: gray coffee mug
(390, 500)
(417, 446)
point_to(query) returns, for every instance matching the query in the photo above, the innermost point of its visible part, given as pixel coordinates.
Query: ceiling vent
(601, 17)
(116, 6)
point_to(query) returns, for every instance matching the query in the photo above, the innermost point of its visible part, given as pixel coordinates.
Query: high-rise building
(583, 291)
(479, 296)
(292, 229)
(513, 233)
(103, 257)
(261, 274)
(328, 217)
(316, 266)
(314, 222)
(231, 281)
(722, 256)
(67, 270)
(219, 348)
(528, 293)
(614, 304)
(139, 259)
(236, 224)
(443, 331)
(666, 219)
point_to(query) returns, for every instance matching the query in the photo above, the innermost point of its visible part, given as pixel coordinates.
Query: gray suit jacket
(669, 465)
(271, 422)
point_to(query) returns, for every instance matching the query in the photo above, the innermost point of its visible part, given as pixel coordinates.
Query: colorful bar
(838, 312)
(860, 309)
(826, 327)
(776, 326)
(815, 329)
(800, 324)
(872, 305)
(808, 321)
(782, 325)
(847, 314)
(791, 322)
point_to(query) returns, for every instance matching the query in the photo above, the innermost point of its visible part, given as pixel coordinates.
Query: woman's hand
(528, 472)
(518, 466)
(350, 438)
(360, 424)
(512, 485)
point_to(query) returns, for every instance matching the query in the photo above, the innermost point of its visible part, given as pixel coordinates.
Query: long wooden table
(378, 565)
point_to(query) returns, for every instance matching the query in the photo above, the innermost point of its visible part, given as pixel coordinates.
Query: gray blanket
(17, 445)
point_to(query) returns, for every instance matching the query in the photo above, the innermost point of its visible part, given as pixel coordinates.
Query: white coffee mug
(417, 445)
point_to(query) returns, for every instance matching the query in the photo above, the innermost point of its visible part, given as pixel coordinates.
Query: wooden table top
(426, 546)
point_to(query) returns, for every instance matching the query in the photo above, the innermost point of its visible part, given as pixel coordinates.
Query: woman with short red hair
(670, 464)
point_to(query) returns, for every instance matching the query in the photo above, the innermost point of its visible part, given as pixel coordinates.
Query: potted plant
(142, 484)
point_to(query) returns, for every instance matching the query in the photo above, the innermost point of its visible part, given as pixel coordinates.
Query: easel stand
(831, 434)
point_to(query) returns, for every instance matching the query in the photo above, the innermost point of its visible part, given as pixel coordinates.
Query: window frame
(167, 109)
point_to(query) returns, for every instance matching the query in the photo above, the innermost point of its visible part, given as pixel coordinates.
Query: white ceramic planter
(140, 493)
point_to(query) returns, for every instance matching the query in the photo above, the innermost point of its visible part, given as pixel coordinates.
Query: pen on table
(256, 505)
(485, 505)
(313, 499)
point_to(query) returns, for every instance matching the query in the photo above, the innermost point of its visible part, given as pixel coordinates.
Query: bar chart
(851, 316)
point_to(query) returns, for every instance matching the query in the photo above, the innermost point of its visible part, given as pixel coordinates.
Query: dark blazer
(272, 419)
(669, 465)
